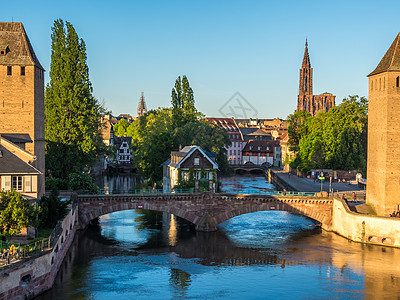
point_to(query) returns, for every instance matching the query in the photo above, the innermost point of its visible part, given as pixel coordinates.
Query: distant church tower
(306, 101)
(142, 109)
(22, 92)
(383, 165)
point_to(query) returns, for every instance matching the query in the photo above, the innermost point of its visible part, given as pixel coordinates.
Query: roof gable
(192, 150)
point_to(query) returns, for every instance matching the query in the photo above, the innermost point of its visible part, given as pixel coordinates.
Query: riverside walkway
(308, 185)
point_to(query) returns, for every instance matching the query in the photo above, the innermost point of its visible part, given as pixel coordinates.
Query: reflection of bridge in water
(205, 210)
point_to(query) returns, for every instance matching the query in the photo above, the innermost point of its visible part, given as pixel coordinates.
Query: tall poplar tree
(183, 109)
(72, 113)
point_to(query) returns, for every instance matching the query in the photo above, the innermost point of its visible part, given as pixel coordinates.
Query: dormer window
(2, 52)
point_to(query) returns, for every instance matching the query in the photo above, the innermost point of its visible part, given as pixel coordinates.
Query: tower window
(9, 70)
(397, 81)
(22, 71)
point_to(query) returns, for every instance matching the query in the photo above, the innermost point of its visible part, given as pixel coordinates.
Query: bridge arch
(205, 210)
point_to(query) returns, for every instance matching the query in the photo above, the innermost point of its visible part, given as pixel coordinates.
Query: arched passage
(205, 210)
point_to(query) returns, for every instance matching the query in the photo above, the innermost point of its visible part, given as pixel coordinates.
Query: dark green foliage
(53, 183)
(333, 140)
(51, 209)
(82, 181)
(73, 125)
(15, 213)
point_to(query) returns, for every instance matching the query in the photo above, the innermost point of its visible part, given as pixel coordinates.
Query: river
(139, 254)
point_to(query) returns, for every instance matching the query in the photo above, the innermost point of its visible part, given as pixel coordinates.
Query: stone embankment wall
(277, 182)
(364, 228)
(30, 277)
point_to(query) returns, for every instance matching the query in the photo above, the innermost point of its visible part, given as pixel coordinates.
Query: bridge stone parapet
(205, 210)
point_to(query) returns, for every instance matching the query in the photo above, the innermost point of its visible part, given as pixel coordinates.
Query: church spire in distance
(142, 109)
(306, 58)
(305, 86)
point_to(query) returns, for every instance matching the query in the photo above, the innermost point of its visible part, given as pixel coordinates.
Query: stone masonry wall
(42, 269)
(364, 228)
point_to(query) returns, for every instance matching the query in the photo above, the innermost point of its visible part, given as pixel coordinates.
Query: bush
(51, 209)
(53, 183)
(79, 181)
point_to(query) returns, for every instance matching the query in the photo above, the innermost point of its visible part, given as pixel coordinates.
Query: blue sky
(223, 47)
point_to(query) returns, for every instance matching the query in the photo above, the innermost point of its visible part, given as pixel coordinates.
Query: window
(397, 81)
(28, 183)
(9, 70)
(234, 152)
(6, 183)
(22, 71)
(196, 161)
(16, 183)
(3, 52)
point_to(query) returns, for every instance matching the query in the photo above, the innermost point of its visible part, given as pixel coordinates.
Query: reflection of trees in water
(148, 219)
(179, 279)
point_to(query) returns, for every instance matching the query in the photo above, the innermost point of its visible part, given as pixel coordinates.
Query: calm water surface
(139, 254)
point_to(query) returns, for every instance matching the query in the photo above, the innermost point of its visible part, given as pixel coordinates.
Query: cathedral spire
(305, 84)
(306, 58)
(142, 109)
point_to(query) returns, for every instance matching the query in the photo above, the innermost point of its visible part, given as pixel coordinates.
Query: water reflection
(246, 184)
(115, 184)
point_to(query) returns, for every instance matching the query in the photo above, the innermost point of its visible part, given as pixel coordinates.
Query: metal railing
(14, 252)
(147, 191)
(186, 191)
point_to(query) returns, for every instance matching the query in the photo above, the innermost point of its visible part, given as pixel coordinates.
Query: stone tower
(306, 101)
(22, 91)
(142, 109)
(383, 165)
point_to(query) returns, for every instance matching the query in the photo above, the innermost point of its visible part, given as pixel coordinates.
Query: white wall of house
(27, 185)
(124, 153)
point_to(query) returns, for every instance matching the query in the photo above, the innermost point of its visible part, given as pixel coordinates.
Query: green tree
(182, 102)
(120, 129)
(336, 139)
(15, 213)
(51, 209)
(73, 138)
(297, 128)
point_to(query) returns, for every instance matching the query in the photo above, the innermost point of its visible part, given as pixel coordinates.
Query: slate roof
(15, 41)
(260, 132)
(17, 137)
(11, 164)
(391, 59)
(187, 152)
(262, 144)
(118, 140)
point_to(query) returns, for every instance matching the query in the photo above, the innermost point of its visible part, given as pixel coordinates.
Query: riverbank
(31, 276)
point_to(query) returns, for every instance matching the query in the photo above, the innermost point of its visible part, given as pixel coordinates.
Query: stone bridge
(205, 210)
(249, 168)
